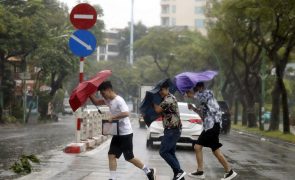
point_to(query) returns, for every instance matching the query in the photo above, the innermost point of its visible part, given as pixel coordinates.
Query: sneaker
(152, 174)
(230, 175)
(197, 174)
(180, 175)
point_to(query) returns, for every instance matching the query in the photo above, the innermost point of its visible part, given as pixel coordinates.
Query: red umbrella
(85, 89)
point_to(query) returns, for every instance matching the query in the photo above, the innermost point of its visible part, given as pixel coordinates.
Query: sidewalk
(90, 165)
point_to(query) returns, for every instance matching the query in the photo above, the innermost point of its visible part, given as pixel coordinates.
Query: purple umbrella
(187, 80)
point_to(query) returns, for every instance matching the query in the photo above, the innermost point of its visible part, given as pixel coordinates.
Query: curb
(76, 148)
(262, 138)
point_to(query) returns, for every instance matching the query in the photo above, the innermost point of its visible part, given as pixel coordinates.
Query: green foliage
(174, 51)
(44, 98)
(37, 32)
(268, 134)
(140, 30)
(23, 165)
(9, 119)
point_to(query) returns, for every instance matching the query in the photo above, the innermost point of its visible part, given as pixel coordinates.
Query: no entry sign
(83, 16)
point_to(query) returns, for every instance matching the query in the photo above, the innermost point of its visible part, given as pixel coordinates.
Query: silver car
(192, 126)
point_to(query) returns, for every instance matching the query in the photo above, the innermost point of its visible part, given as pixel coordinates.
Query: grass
(271, 134)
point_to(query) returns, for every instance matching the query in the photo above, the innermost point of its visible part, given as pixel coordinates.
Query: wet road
(34, 139)
(249, 156)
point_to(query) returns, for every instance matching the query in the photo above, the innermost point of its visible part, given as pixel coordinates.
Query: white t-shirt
(118, 105)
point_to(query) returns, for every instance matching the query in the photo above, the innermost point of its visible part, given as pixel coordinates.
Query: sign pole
(79, 118)
(81, 75)
(82, 43)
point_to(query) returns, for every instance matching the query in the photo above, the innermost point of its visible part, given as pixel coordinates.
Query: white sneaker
(230, 175)
(197, 174)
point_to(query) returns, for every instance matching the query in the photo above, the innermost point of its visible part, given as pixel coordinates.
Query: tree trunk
(275, 111)
(236, 112)
(286, 118)
(244, 115)
(55, 85)
(251, 116)
(1, 79)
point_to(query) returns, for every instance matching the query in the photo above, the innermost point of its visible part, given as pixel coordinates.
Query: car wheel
(149, 143)
(141, 125)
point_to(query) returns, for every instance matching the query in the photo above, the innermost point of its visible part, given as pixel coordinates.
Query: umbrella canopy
(187, 80)
(85, 89)
(153, 97)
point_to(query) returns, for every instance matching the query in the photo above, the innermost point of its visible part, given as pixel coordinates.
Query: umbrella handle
(96, 106)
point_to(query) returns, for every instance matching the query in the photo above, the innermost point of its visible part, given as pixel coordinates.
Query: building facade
(189, 13)
(110, 49)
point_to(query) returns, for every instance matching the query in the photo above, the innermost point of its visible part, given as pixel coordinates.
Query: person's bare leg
(136, 162)
(112, 162)
(199, 157)
(218, 154)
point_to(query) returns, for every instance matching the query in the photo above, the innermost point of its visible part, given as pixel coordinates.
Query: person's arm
(158, 108)
(97, 101)
(193, 108)
(119, 116)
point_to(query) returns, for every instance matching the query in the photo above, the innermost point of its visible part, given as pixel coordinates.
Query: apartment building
(187, 13)
(109, 50)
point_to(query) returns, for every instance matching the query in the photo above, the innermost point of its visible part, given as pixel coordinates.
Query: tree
(21, 31)
(269, 25)
(140, 30)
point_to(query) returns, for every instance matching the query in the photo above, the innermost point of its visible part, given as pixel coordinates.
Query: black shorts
(122, 144)
(210, 138)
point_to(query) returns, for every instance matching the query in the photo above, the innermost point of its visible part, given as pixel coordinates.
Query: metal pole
(131, 34)
(79, 118)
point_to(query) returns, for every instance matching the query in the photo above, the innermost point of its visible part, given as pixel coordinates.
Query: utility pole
(131, 34)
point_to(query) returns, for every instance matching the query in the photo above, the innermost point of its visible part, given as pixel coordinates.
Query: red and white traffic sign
(83, 16)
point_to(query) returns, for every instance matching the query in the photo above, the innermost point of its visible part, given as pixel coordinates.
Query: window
(165, 9)
(173, 21)
(173, 9)
(199, 10)
(199, 23)
(102, 49)
(165, 21)
(113, 48)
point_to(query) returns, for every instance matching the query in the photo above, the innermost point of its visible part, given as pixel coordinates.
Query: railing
(91, 125)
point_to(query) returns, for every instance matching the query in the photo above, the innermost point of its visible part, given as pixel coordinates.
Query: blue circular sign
(82, 43)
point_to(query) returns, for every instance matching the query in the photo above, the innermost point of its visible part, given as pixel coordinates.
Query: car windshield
(183, 109)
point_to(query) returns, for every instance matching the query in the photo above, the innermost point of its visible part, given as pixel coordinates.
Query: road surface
(251, 157)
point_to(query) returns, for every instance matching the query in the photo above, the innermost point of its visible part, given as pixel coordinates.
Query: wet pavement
(33, 139)
(252, 158)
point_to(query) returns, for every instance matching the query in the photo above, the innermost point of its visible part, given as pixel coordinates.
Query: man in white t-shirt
(122, 143)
